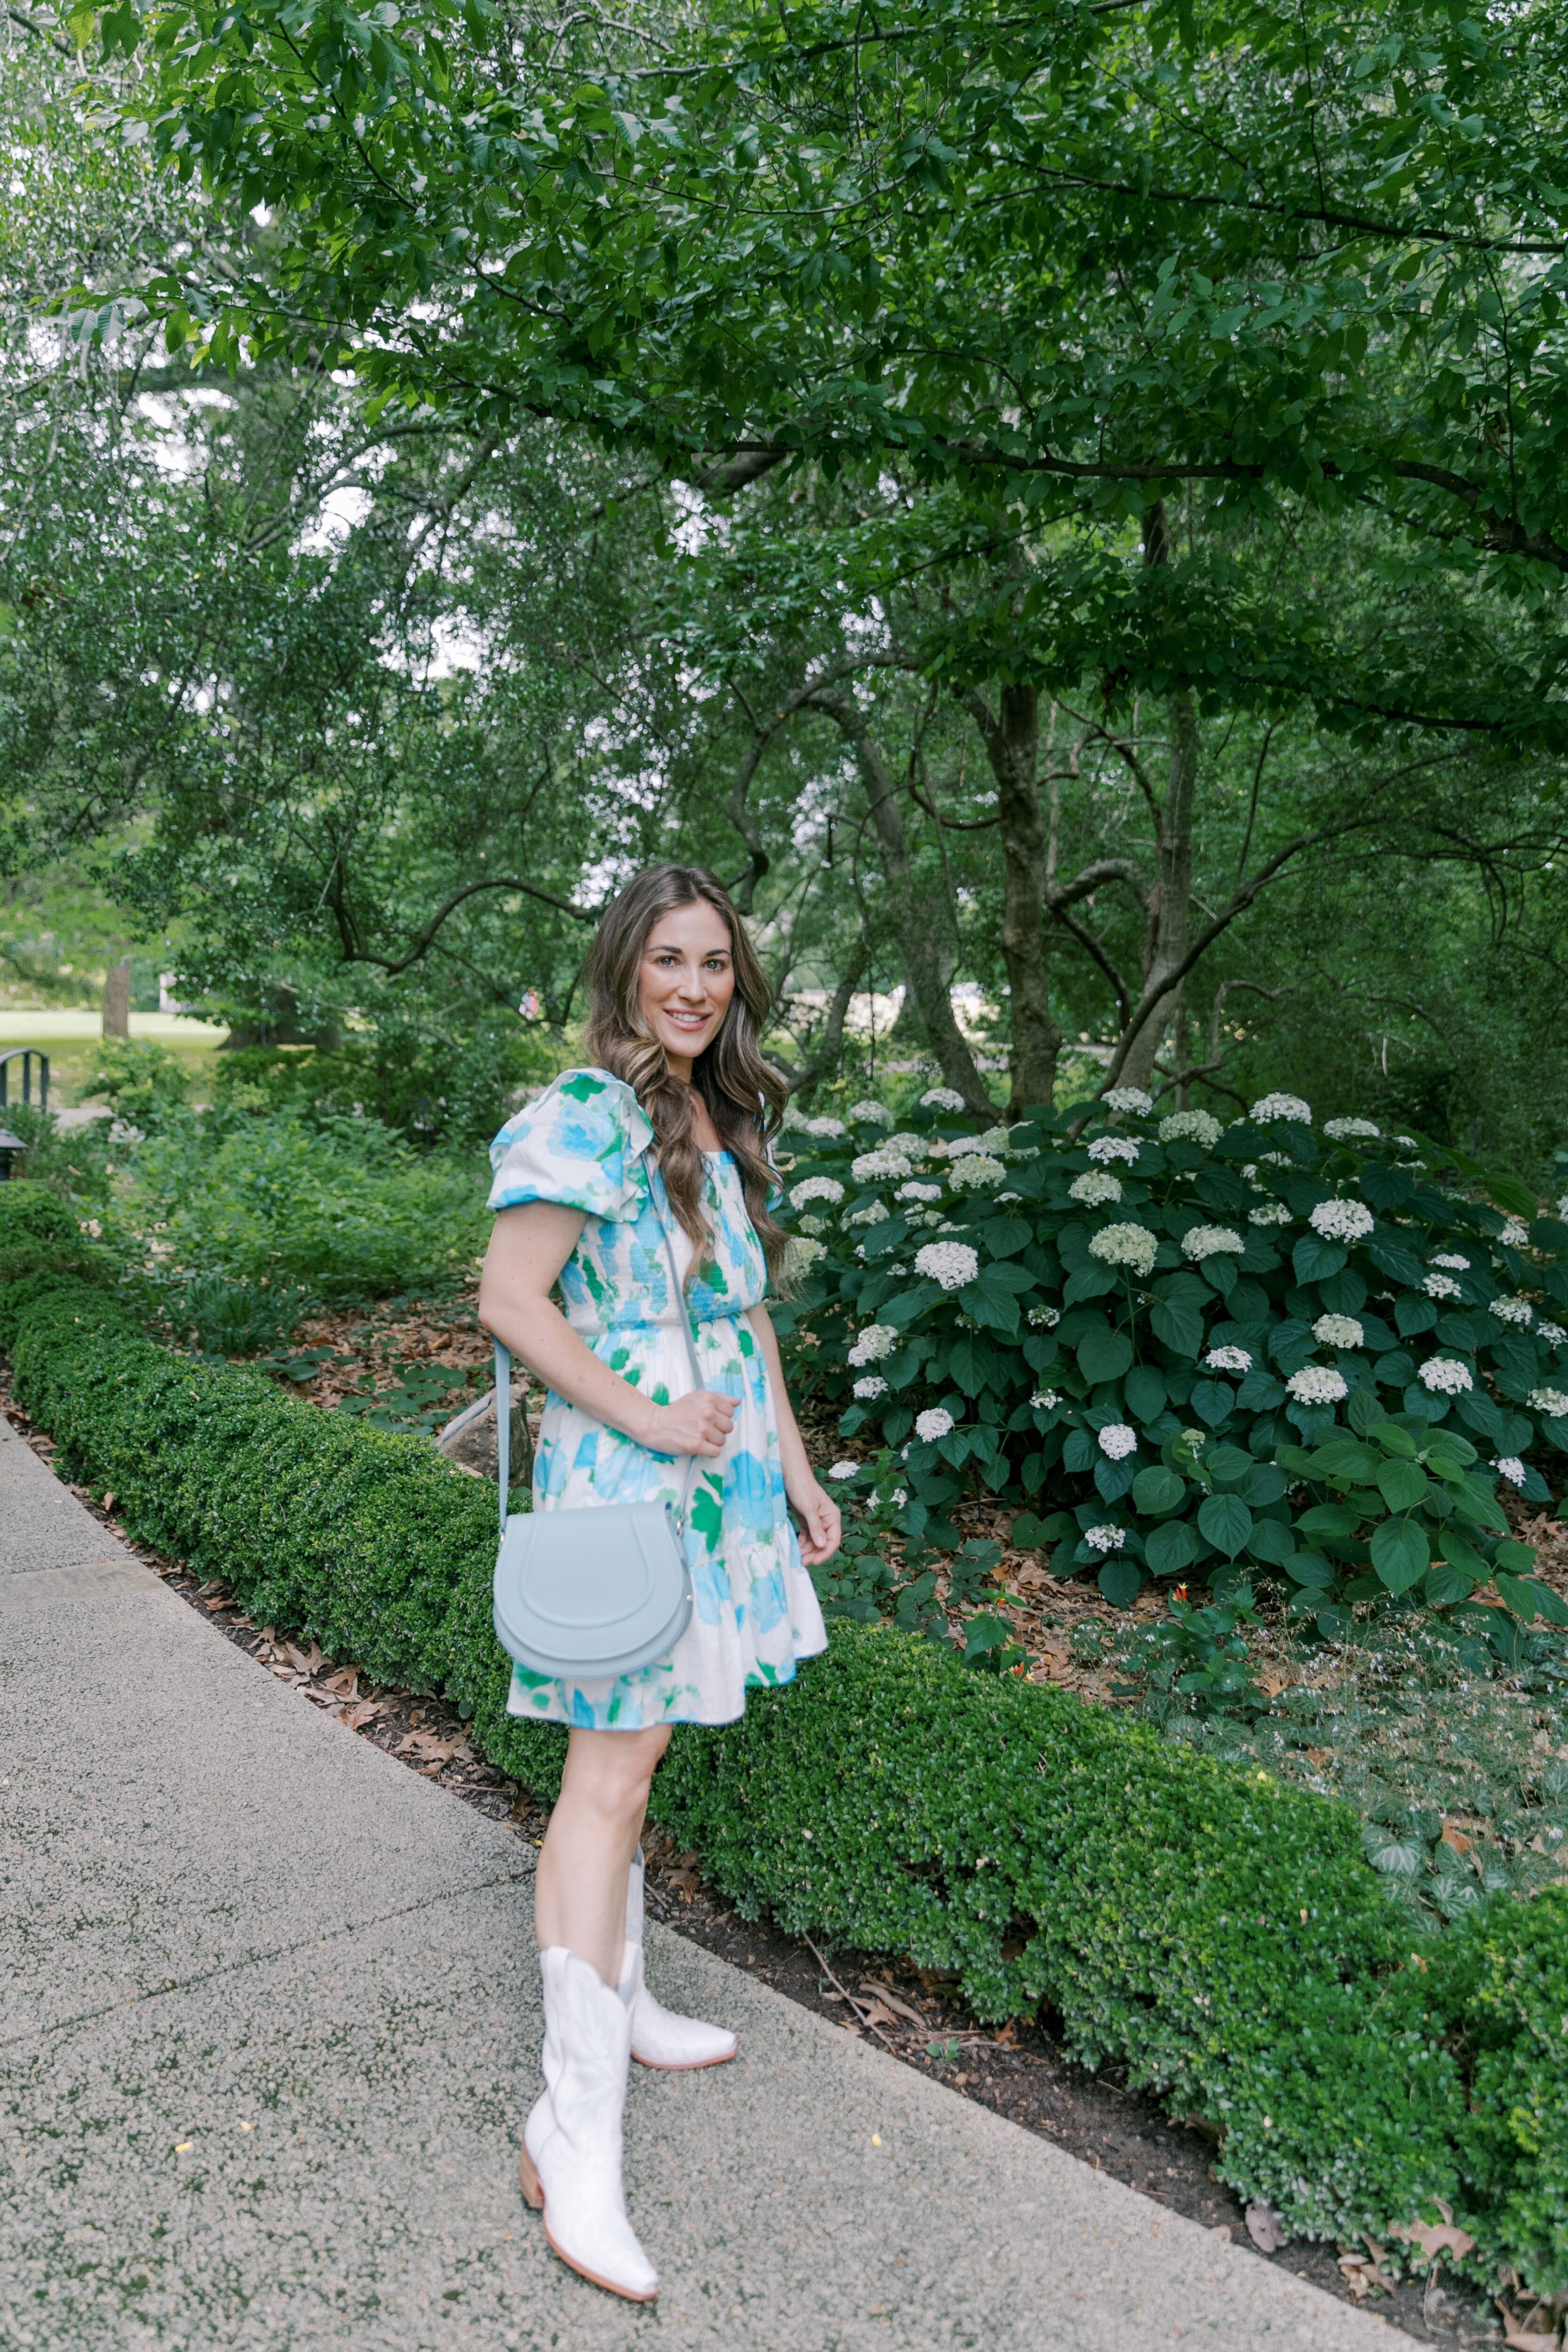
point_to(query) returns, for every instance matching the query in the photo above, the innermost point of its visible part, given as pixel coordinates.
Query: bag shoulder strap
(503, 1374)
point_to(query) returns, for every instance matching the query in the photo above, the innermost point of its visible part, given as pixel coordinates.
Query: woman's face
(685, 981)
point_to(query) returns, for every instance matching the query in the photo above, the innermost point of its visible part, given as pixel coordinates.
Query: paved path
(268, 2018)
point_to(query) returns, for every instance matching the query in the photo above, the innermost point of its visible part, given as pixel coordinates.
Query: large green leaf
(991, 1300)
(1404, 1486)
(1520, 1595)
(1213, 1401)
(1477, 1502)
(1156, 1490)
(1120, 1582)
(1272, 1542)
(1172, 1548)
(1400, 1554)
(1314, 1260)
(1224, 1521)
(1104, 1356)
(1178, 1327)
(1446, 1584)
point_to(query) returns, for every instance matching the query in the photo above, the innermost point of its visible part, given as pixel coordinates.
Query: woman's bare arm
(823, 1528)
(528, 1249)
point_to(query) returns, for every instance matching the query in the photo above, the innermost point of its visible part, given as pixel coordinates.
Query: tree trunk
(1012, 741)
(919, 939)
(1172, 913)
(117, 1000)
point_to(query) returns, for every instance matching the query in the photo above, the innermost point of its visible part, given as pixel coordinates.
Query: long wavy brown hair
(745, 1097)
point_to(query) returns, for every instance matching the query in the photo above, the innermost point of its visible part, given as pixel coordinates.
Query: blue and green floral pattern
(585, 1143)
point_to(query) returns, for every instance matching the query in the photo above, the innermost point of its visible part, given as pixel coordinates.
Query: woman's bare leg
(580, 1892)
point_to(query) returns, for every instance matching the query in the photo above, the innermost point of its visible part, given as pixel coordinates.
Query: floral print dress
(585, 1143)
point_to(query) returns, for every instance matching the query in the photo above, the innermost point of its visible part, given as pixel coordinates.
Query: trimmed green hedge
(1216, 1933)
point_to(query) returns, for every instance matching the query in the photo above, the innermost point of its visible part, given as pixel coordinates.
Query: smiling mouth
(689, 1020)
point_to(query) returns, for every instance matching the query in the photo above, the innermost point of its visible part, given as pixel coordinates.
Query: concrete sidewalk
(269, 2021)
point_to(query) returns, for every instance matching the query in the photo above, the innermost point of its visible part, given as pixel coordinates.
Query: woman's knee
(612, 1770)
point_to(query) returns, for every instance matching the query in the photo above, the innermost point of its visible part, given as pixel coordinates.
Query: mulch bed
(1018, 2070)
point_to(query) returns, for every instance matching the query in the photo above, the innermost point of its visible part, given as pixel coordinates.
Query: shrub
(1261, 1350)
(143, 1083)
(343, 1207)
(1213, 1930)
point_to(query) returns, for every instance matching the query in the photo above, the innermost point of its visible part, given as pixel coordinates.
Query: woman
(672, 1119)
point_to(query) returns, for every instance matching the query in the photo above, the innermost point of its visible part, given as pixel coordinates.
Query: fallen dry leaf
(891, 2001)
(1520, 2338)
(307, 1662)
(345, 1682)
(1454, 1839)
(109, 1500)
(1266, 2230)
(1435, 2238)
(877, 2012)
(365, 1710)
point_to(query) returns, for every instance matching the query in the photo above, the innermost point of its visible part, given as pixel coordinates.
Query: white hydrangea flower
(975, 1169)
(811, 1225)
(1408, 1142)
(801, 1255)
(933, 1424)
(1441, 1285)
(1342, 1221)
(1106, 1148)
(830, 1129)
(793, 1121)
(994, 1139)
(1318, 1384)
(817, 1188)
(876, 1111)
(1272, 1160)
(918, 1192)
(876, 1341)
(1549, 1402)
(1518, 1311)
(1129, 1245)
(873, 1214)
(871, 1385)
(1096, 1189)
(1450, 1263)
(1511, 1468)
(844, 1470)
(1562, 1206)
(1045, 1318)
(1514, 1236)
(1553, 1333)
(1211, 1241)
(951, 1264)
(1273, 1213)
(1337, 1332)
(1044, 1399)
(880, 1168)
(1351, 1130)
(1272, 1107)
(913, 1147)
(1191, 1127)
(941, 1098)
(1227, 1360)
(1131, 1100)
(1000, 1197)
(1105, 1539)
(1118, 1441)
(1444, 1376)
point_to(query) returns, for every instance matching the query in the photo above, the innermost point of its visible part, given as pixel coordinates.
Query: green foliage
(143, 1083)
(339, 1206)
(1215, 1932)
(1149, 1339)
(1503, 1980)
(429, 1086)
(41, 1241)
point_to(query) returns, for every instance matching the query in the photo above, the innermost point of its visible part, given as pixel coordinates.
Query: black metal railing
(26, 1056)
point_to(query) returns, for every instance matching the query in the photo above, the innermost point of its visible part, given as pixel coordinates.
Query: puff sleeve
(579, 1144)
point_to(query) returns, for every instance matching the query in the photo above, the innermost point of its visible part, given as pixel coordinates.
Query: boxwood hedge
(1214, 1932)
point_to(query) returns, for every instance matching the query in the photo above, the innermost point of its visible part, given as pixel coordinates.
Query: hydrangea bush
(1194, 1353)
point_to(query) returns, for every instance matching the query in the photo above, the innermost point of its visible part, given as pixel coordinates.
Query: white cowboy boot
(660, 2037)
(572, 2142)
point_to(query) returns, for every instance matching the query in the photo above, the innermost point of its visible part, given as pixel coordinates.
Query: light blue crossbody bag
(585, 1595)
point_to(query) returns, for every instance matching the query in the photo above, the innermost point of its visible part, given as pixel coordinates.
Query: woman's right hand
(699, 1422)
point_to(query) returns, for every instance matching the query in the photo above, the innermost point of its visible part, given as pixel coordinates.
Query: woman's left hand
(821, 1522)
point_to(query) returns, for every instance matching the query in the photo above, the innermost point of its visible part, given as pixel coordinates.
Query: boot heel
(533, 2194)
